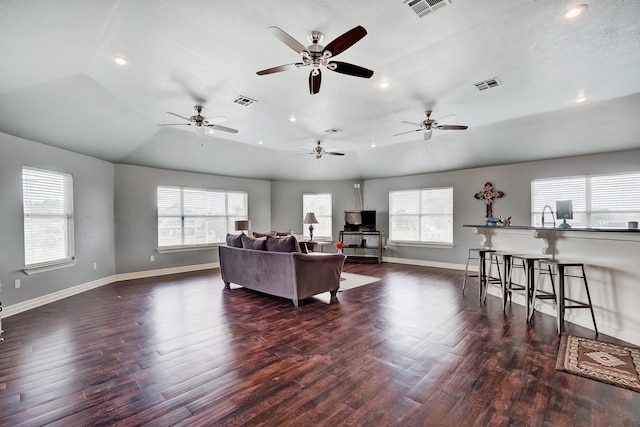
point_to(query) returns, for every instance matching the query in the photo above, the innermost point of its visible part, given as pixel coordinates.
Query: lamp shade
(241, 225)
(310, 218)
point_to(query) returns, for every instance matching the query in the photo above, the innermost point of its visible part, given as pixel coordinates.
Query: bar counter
(612, 261)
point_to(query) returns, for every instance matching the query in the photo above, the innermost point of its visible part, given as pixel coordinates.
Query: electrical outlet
(152, 258)
(16, 283)
(95, 265)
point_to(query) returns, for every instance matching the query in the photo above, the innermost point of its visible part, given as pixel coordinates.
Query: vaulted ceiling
(59, 84)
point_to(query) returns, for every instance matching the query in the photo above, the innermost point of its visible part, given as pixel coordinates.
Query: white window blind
(424, 215)
(321, 205)
(47, 199)
(197, 217)
(599, 201)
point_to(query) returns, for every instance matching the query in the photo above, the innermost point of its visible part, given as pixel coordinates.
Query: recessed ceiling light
(292, 119)
(384, 84)
(575, 10)
(581, 99)
(120, 60)
(259, 142)
(211, 130)
(373, 145)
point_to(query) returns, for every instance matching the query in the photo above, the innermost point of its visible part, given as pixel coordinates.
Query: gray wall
(514, 180)
(94, 221)
(136, 214)
(286, 202)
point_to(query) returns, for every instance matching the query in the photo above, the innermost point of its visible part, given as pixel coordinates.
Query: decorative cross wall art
(488, 195)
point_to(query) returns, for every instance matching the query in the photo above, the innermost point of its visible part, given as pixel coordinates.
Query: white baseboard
(66, 293)
(427, 263)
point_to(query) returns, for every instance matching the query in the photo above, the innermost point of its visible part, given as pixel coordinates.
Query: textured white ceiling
(59, 85)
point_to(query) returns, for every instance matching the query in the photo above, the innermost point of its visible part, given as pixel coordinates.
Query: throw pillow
(251, 243)
(234, 240)
(282, 244)
(258, 235)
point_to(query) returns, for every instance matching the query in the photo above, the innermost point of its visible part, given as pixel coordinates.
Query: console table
(362, 246)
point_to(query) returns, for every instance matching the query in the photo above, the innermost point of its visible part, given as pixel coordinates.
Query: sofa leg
(227, 285)
(334, 296)
(296, 302)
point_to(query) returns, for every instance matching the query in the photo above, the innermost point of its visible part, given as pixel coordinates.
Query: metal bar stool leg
(586, 287)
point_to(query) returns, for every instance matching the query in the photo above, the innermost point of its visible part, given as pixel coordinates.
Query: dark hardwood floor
(408, 350)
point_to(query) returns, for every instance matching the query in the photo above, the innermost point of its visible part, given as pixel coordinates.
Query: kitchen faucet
(552, 217)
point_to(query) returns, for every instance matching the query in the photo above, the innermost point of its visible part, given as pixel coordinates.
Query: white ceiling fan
(428, 125)
(199, 121)
(319, 150)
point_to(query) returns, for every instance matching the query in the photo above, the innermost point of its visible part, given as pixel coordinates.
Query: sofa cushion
(252, 243)
(282, 244)
(258, 235)
(234, 240)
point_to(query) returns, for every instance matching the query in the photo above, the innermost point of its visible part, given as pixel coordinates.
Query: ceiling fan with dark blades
(428, 125)
(316, 56)
(319, 150)
(199, 121)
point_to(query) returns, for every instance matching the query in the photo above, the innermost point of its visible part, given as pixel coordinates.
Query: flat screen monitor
(564, 209)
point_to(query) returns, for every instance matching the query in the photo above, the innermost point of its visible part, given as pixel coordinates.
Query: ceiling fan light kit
(317, 56)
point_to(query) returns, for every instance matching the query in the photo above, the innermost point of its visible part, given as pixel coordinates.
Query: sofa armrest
(317, 273)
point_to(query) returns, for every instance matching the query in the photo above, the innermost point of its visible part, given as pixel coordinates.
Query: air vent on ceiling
(333, 130)
(244, 100)
(487, 84)
(425, 7)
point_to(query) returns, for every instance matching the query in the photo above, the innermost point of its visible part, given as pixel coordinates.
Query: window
(190, 217)
(424, 216)
(47, 199)
(321, 206)
(600, 201)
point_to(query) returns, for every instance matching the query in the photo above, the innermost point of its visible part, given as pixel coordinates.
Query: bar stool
(479, 254)
(560, 269)
(528, 263)
(500, 272)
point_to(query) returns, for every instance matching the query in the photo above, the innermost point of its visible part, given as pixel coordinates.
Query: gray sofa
(292, 275)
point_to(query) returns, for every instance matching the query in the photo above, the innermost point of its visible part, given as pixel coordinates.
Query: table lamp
(241, 225)
(310, 218)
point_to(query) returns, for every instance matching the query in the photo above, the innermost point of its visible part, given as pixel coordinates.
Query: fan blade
(334, 153)
(222, 128)
(174, 124)
(178, 115)
(345, 41)
(427, 134)
(411, 123)
(409, 131)
(350, 69)
(287, 39)
(277, 69)
(314, 82)
(451, 127)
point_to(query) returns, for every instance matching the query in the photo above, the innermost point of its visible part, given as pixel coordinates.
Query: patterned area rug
(601, 361)
(350, 280)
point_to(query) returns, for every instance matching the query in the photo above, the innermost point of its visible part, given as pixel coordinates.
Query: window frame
(184, 218)
(68, 229)
(586, 203)
(319, 216)
(422, 216)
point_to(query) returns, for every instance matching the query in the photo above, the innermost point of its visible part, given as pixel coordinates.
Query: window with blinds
(47, 199)
(424, 215)
(189, 217)
(322, 206)
(599, 201)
